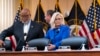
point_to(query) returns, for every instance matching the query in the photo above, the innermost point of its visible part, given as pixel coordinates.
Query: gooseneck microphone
(21, 40)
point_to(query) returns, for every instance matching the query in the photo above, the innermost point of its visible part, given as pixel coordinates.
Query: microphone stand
(25, 35)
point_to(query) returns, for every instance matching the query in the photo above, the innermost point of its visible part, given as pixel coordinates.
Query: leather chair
(40, 43)
(8, 45)
(75, 42)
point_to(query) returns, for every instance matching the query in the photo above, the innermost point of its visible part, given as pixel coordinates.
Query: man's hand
(1, 43)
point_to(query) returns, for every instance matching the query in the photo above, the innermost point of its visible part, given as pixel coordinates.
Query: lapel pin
(31, 26)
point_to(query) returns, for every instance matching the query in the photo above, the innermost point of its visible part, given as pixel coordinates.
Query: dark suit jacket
(35, 31)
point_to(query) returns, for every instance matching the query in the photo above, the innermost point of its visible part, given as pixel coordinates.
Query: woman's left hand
(51, 47)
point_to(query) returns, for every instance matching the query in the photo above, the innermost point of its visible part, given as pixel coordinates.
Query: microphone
(57, 30)
(18, 44)
(83, 46)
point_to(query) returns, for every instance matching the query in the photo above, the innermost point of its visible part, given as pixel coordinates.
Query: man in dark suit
(48, 16)
(23, 30)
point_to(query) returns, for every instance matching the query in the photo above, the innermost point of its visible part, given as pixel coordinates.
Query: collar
(27, 22)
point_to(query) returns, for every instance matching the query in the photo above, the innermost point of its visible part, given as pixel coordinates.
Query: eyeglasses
(24, 15)
(58, 18)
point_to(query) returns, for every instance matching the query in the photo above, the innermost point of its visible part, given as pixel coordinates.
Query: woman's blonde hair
(52, 24)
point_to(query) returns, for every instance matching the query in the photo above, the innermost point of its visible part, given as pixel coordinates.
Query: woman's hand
(51, 47)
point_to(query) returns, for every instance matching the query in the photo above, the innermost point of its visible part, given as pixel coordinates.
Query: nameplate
(31, 49)
(97, 46)
(64, 48)
(2, 49)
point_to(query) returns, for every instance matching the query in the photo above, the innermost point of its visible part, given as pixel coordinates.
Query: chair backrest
(40, 43)
(8, 45)
(75, 42)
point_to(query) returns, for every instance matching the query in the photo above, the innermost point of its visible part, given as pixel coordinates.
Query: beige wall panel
(6, 19)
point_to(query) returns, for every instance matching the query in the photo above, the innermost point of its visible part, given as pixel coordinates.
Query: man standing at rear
(48, 16)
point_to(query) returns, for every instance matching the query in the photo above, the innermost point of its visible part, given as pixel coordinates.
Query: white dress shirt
(26, 28)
